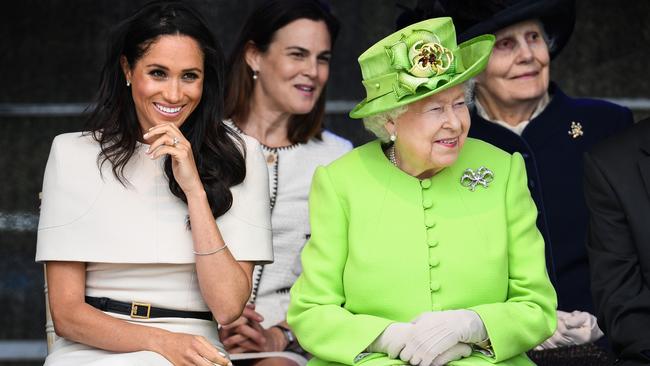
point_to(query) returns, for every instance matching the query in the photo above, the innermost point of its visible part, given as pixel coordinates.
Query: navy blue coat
(554, 167)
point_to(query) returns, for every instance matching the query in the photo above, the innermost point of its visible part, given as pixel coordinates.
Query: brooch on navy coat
(482, 176)
(576, 130)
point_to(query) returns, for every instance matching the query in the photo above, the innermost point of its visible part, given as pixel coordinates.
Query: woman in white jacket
(137, 267)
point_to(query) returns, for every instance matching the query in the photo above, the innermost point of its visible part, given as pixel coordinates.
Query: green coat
(387, 247)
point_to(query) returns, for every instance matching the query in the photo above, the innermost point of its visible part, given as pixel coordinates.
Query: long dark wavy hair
(259, 28)
(218, 152)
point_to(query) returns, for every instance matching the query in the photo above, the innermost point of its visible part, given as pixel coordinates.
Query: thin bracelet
(211, 252)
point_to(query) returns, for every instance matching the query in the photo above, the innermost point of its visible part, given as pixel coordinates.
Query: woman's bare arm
(77, 321)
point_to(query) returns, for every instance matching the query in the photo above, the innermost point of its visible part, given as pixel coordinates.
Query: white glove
(393, 339)
(456, 352)
(437, 332)
(583, 327)
(577, 327)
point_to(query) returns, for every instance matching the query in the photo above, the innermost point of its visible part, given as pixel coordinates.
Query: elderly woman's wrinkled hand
(437, 332)
(575, 328)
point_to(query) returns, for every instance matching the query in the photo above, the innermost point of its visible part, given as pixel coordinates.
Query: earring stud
(393, 137)
(128, 83)
(255, 72)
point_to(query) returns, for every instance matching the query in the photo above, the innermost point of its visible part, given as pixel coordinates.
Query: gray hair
(551, 44)
(375, 123)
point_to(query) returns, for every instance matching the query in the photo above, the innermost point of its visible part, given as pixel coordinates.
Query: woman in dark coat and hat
(518, 109)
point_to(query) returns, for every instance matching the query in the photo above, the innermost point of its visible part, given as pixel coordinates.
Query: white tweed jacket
(290, 172)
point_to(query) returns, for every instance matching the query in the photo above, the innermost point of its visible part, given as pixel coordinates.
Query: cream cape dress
(134, 239)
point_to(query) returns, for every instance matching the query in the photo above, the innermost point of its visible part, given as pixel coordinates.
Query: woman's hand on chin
(188, 349)
(169, 140)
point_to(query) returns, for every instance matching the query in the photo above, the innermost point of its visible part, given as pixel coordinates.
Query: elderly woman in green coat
(424, 248)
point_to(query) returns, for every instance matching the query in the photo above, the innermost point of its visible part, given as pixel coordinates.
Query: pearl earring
(128, 83)
(393, 137)
(255, 74)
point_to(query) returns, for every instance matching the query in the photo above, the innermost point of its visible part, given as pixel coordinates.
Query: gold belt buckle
(134, 310)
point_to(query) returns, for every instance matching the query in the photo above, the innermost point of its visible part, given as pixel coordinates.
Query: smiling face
(167, 81)
(518, 70)
(294, 69)
(431, 133)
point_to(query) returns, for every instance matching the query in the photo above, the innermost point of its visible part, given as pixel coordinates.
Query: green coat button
(433, 261)
(431, 238)
(425, 183)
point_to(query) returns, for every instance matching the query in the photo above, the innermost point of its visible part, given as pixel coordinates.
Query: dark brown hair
(260, 28)
(218, 151)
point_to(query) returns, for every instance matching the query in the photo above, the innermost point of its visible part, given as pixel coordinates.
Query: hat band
(402, 83)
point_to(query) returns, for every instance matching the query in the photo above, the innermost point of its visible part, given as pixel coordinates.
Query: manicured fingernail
(148, 149)
(229, 363)
(222, 354)
(151, 128)
(145, 135)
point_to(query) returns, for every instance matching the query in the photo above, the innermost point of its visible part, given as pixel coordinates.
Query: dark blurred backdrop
(50, 54)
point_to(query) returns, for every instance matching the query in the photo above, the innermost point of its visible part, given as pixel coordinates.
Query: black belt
(141, 310)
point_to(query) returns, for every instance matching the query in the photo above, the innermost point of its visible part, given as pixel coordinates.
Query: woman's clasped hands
(433, 338)
(246, 334)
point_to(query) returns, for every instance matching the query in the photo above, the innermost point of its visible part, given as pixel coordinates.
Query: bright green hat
(416, 62)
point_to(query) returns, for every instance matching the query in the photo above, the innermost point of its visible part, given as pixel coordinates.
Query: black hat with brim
(475, 17)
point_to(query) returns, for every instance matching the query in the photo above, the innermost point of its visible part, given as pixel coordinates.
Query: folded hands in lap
(246, 334)
(575, 328)
(433, 338)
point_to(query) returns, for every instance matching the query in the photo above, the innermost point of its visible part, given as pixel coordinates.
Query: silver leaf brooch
(471, 178)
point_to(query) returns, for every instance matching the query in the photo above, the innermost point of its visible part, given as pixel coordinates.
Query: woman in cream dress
(138, 270)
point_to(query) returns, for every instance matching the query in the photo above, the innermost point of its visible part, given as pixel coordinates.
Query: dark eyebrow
(304, 50)
(297, 48)
(158, 66)
(194, 69)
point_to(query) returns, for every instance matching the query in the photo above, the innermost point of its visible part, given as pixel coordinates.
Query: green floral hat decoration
(416, 62)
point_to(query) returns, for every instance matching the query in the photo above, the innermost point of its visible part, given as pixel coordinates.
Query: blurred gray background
(51, 51)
